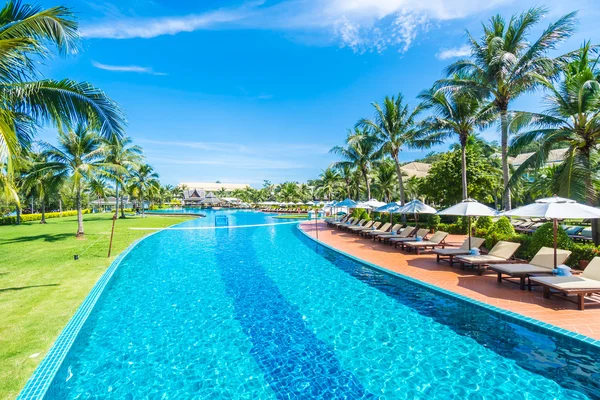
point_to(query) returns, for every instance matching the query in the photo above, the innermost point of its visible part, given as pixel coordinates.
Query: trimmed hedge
(12, 220)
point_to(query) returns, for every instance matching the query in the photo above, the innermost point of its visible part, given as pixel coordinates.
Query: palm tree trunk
(400, 178)
(18, 211)
(142, 203)
(116, 197)
(79, 213)
(505, 171)
(465, 195)
(43, 220)
(60, 205)
(366, 176)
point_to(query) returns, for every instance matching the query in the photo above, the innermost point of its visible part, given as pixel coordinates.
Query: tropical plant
(572, 118)
(143, 182)
(385, 182)
(395, 128)
(26, 32)
(78, 155)
(98, 187)
(360, 153)
(328, 183)
(454, 114)
(504, 65)
(119, 151)
(37, 181)
(288, 192)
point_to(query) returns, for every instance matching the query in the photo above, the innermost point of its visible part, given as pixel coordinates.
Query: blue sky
(245, 91)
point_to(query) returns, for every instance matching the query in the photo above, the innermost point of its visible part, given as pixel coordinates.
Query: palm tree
(78, 155)
(97, 186)
(38, 181)
(504, 65)
(385, 180)
(145, 181)
(456, 113)
(328, 182)
(572, 119)
(288, 191)
(26, 31)
(395, 128)
(346, 174)
(360, 153)
(119, 151)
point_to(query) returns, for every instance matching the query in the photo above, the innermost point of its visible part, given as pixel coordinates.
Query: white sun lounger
(541, 263)
(400, 241)
(463, 250)
(436, 240)
(586, 286)
(500, 253)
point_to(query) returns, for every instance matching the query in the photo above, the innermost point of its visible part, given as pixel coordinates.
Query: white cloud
(362, 25)
(454, 52)
(126, 68)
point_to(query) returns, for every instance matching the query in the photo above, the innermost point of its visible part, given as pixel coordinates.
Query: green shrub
(433, 221)
(12, 220)
(522, 252)
(582, 251)
(360, 213)
(502, 227)
(484, 223)
(544, 237)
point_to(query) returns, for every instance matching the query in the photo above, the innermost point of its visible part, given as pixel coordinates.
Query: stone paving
(482, 288)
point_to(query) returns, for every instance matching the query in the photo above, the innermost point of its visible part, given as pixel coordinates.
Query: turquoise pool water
(265, 313)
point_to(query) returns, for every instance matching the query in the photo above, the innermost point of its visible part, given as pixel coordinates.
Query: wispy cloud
(454, 52)
(273, 149)
(127, 68)
(362, 25)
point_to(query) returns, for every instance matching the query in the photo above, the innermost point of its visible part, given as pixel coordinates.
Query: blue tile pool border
(537, 325)
(38, 384)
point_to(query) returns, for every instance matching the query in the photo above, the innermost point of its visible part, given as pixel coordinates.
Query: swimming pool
(264, 312)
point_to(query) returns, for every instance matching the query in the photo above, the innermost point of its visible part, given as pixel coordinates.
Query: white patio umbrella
(469, 208)
(555, 208)
(416, 207)
(374, 203)
(391, 208)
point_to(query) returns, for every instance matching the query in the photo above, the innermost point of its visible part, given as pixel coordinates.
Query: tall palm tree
(572, 119)
(385, 180)
(288, 191)
(328, 182)
(38, 182)
(78, 155)
(26, 32)
(395, 128)
(346, 174)
(97, 187)
(119, 151)
(455, 114)
(145, 181)
(504, 64)
(360, 153)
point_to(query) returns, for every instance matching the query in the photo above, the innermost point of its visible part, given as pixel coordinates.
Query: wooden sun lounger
(436, 240)
(385, 228)
(463, 250)
(406, 232)
(356, 228)
(354, 223)
(584, 287)
(500, 254)
(368, 226)
(374, 228)
(542, 263)
(400, 241)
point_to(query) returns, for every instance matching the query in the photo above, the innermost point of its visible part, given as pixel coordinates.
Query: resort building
(195, 192)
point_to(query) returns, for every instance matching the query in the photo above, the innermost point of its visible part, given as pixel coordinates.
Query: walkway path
(483, 288)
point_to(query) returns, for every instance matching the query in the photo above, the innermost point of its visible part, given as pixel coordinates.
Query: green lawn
(41, 285)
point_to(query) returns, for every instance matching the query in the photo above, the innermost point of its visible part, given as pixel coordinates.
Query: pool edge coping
(39, 382)
(528, 321)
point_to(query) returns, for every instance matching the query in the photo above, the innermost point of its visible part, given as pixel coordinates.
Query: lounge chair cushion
(451, 252)
(520, 269)
(504, 249)
(568, 282)
(482, 259)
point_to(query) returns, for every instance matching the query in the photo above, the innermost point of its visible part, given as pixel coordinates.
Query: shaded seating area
(422, 233)
(401, 233)
(502, 252)
(463, 250)
(385, 228)
(542, 263)
(582, 290)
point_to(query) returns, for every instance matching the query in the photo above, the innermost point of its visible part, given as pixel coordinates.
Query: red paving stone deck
(482, 288)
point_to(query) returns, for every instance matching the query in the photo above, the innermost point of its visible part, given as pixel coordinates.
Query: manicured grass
(41, 286)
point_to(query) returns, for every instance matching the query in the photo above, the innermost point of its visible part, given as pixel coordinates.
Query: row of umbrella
(555, 208)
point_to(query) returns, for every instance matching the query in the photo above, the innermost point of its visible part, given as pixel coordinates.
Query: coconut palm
(504, 65)
(78, 155)
(288, 192)
(571, 119)
(385, 181)
(97, 186)
(455, 114)
(396, 129)
(328, 182)
(119, 151)
(37, 181)
(360, 153)
(144, 181)
(346, 175)
(26, 32)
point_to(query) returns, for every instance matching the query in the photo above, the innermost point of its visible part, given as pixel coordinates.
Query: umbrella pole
(555, 227)
(469, 232)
